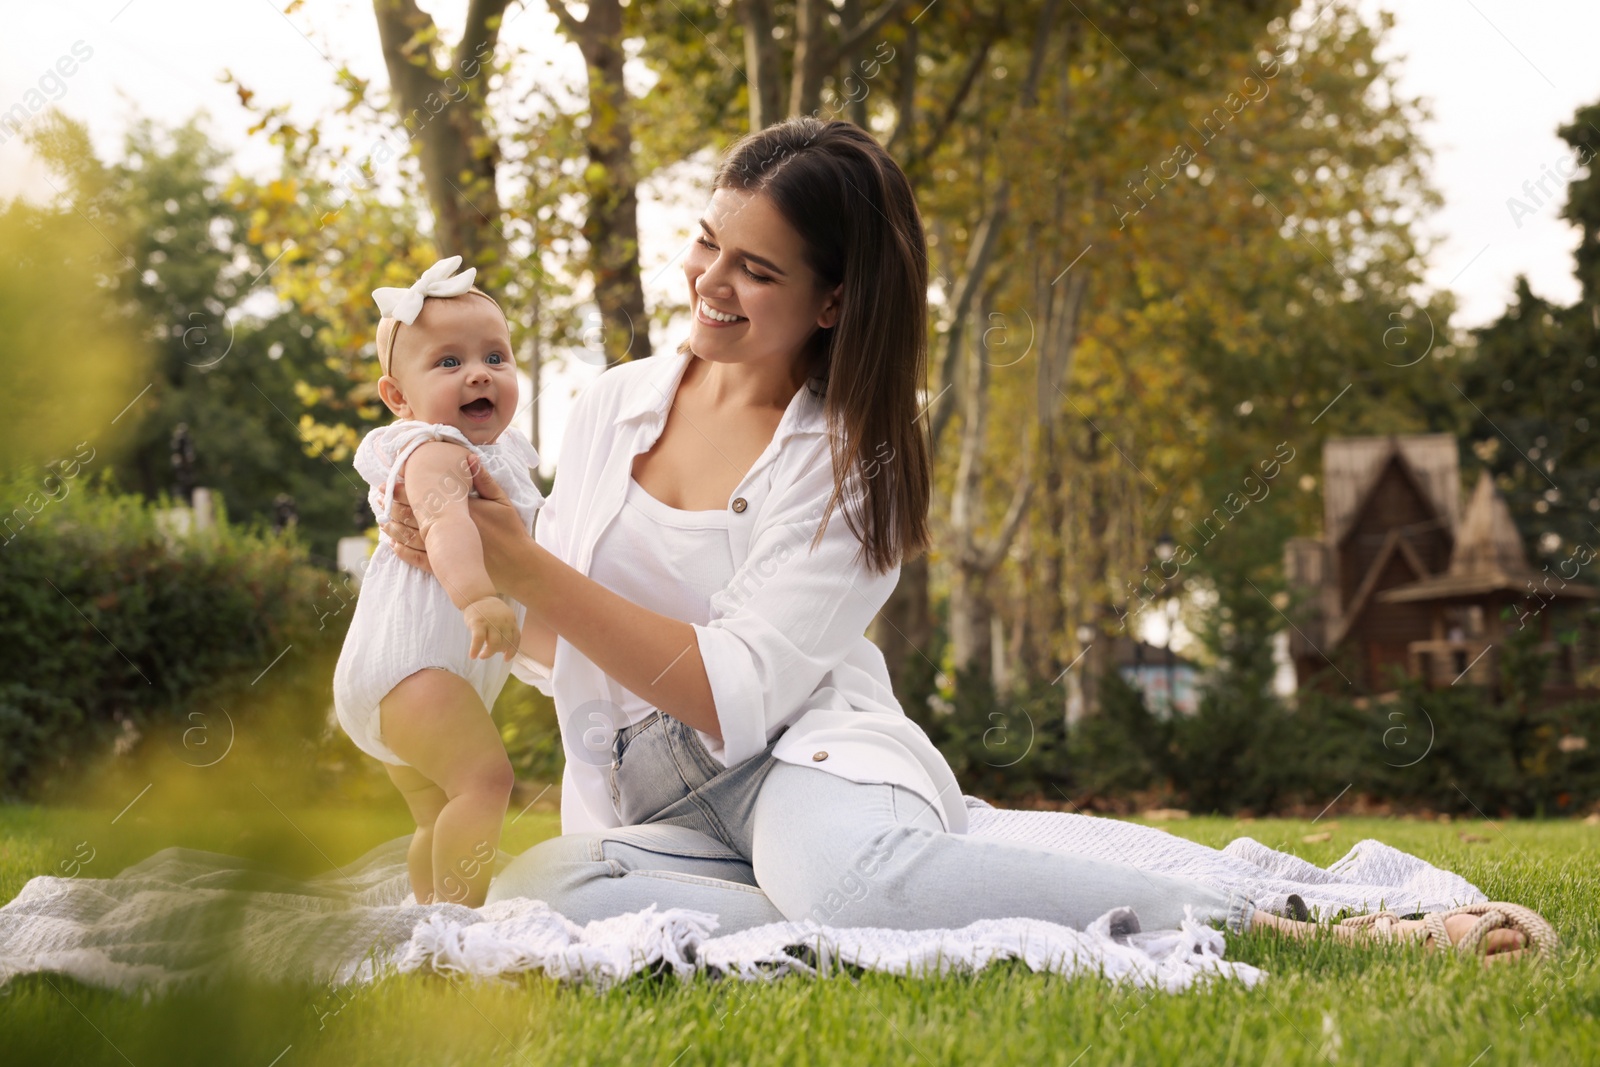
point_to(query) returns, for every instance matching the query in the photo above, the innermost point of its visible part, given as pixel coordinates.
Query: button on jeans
(766, 841)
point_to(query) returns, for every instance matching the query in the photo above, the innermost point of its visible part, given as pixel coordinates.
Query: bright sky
(1501, 76)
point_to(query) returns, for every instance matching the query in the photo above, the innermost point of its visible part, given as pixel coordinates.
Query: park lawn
(1321, 1003)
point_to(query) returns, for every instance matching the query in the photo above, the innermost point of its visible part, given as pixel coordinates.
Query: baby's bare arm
(437, 482)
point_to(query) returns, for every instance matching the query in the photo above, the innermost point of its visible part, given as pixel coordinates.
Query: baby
(426, 655)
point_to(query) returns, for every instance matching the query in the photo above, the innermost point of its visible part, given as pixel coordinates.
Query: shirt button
(818, 757)
(739, 504)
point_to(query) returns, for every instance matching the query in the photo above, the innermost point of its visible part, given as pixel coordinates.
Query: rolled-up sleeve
(550, 526)
(525, 668)
(791, 612)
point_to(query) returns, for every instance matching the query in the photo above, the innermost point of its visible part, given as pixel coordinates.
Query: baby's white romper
(404, 621)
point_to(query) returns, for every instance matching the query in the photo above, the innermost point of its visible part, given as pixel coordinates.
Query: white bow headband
(404, 304)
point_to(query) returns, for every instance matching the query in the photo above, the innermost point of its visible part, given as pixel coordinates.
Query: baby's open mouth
(480, 408)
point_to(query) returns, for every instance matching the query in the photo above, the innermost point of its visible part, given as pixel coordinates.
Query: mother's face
(751, 293)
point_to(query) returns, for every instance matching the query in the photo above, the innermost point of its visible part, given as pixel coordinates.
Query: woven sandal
(1541, 936)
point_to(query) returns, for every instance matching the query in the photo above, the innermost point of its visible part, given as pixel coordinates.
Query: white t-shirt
(668, 560)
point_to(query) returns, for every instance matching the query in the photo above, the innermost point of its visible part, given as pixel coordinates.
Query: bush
(1120, 750)
(1458, 750)
(110, 629)
(1475, 755)
(531, 732)
(1001, 746)
(1451, 750)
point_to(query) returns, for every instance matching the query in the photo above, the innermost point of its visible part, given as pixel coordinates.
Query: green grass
(1322, 1002)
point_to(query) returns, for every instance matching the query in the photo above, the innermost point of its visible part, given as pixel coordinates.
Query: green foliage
(1533, 381)
(1001, 745)
(241, 369)
(1122, 748)
(110, 629)
(532, 735)
(1501, 757)
(1536, 426)
(1523, 665)
(1231, 753)
(52, 311)
(1457, 750)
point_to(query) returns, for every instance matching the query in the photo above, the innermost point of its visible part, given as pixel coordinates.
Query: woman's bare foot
(1498, 946)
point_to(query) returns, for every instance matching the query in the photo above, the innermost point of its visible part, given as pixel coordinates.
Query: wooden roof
(1488, 539)
(1351, 467)
(1488, 558)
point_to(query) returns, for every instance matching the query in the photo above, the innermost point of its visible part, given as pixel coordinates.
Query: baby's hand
(494, 628)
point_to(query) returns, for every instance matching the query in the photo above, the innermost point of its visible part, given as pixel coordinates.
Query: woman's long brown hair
(852, 204)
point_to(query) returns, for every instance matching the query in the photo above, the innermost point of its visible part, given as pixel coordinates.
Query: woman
(732, 741)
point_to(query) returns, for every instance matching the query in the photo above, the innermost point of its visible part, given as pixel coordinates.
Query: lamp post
(183, 462)
(1172, 684)
(284, 512)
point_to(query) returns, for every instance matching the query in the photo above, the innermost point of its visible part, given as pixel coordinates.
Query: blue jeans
(766, 841)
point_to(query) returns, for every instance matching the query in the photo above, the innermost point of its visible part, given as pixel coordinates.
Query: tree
(439, 95)
(1281, 327)
(1243, 239)
(185, 276)
(1530, 395)
(58, 307)
(611, 181)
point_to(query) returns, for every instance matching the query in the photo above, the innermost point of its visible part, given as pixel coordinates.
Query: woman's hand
(505, 539)
(506, 542)
(402, 530)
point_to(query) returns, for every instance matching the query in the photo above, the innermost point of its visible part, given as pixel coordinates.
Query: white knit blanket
(184, 915)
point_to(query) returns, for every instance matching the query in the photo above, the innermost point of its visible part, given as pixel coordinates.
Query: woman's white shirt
(666, 559)
(785, 642)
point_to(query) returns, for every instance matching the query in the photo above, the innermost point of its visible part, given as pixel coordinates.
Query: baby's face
(454, 366)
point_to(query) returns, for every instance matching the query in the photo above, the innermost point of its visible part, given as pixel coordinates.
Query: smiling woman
(811, 254)
(746, 734)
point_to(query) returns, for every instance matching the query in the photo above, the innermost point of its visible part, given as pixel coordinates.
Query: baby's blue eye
(495, 357)
(446, 361)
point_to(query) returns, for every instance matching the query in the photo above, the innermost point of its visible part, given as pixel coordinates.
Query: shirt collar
(806, 413)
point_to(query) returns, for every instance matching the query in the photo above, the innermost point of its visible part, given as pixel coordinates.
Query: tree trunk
(1061, 305)
(1060, 299)
(969, 634)
(457, 154)
(974, 564)
(1098, 659)
(969, 621)
(850, 84)
(911, 595)
(611, 182)
(805, 77)
(979, 255)
(762, 73)
(817, 50)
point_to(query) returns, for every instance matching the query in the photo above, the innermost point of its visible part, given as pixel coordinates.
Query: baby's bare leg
(425, 801)
(435, 721)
